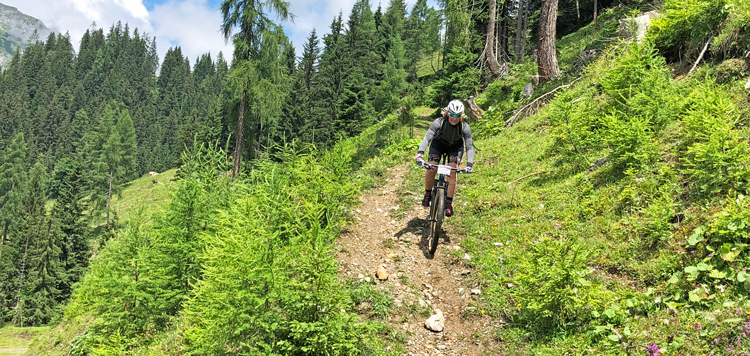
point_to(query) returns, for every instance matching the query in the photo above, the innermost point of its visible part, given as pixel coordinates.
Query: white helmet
(456, 107)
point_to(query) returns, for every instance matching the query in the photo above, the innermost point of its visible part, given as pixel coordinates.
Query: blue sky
(191, 24)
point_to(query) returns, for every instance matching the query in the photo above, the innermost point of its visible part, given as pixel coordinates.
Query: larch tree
(253, 21)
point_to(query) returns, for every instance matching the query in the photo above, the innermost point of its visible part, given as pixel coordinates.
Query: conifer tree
(12, 179)
(36, 252)
(69, 215)
(12, 188)
(332, 68)
(255, 25)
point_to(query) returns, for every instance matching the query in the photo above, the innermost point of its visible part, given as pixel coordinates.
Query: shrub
(555, 291)
(716, 154)
(631, 141)
(684, 25)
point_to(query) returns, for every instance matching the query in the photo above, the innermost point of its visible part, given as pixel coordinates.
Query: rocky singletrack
(421, 285)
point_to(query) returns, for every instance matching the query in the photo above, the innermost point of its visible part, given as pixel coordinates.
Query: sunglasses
(454, 115)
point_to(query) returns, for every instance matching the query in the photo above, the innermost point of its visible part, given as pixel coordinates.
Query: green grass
(15, 341)
(428, 66)
(142, 193)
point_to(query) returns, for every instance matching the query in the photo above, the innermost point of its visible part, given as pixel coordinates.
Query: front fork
(440, 183)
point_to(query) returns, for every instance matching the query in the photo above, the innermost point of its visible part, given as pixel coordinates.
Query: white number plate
(444, 170)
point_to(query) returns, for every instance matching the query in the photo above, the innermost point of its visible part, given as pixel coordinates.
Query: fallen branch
(528, 175)
(538, 102)
(705, 48)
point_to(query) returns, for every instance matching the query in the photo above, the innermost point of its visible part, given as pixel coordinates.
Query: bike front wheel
(436, 219)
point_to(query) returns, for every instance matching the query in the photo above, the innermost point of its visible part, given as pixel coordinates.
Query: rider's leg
(429, 177)
(452, 181)
(433, 158)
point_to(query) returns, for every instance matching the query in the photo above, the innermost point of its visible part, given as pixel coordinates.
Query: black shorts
(438, 148)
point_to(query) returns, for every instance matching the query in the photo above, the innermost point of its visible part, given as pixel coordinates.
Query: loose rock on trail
(378, 243)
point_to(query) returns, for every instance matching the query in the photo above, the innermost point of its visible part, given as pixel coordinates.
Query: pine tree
(12, 188)
(12, 178)
(332, 68)
(255, 28)
(36, 252)
(128, 147)
(69, 215)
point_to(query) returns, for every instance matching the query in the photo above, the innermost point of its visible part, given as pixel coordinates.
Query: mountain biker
(448, 134)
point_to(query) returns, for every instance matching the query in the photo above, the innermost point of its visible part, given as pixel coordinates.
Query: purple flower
(653, 349)
(744, 335)
(743, 353)
(738, 341)
(710, 255)
(747, 326)
(730, 350)
(693, 251)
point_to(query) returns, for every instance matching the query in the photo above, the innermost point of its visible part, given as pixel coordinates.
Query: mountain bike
(438, 200)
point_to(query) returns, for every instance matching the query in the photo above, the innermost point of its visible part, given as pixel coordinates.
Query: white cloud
(191, 24)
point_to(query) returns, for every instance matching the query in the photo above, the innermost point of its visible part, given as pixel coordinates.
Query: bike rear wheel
(436, 219)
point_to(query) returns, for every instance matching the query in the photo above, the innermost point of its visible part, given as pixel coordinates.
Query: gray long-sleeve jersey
(435, 128)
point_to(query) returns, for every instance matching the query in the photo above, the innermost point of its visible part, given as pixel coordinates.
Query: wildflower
(710, 255)
(698, 326)
(747, 326)
(653, 349)
(744, 334)
(693, 251)
(738, 341)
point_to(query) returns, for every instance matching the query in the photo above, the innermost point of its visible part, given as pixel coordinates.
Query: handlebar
(426, 165)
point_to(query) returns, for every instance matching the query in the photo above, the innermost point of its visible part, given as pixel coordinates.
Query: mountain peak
(16, 29)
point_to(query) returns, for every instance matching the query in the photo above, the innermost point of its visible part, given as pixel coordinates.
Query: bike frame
(438, 200)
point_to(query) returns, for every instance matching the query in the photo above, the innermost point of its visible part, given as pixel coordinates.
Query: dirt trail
(379, 238)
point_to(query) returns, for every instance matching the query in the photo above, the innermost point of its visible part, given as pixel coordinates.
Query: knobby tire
(436, 219)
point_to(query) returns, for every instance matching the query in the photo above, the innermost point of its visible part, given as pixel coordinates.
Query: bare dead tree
(490, 54)
(547, 51)
(520, 41)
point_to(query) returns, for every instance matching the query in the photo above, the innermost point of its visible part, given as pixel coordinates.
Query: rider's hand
(469, 168)
(420, 160)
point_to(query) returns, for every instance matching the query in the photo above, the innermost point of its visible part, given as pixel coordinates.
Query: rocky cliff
(16, 29)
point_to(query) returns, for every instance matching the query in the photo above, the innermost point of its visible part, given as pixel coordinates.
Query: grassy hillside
(615, 220)
(148, 195)
(15, 341)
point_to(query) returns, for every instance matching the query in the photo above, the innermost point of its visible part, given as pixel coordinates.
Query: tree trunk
(525, 30)
(109, 195)
(18, 318)
(578, 10)
(504, 24)
(238, 141)
(489, 45)
(596, 25)
(520, 16)
(547, 52)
